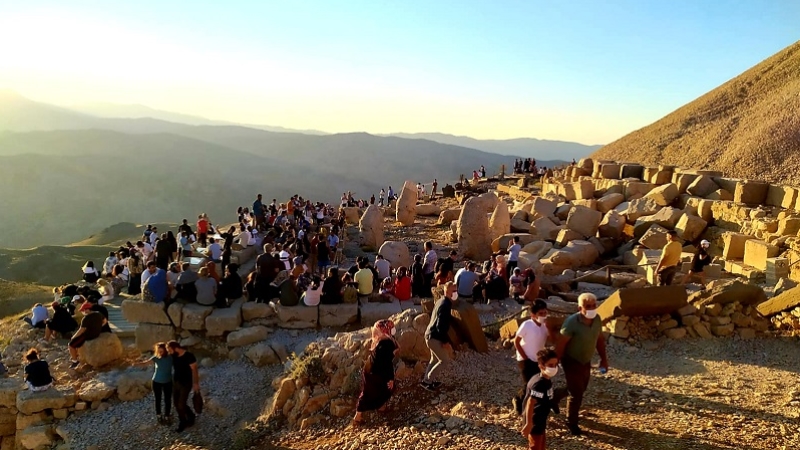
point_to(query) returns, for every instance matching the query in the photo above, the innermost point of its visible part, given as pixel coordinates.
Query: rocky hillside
(748, 127)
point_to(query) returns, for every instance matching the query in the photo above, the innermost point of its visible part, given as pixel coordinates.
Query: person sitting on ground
(517, 288)
(466, 281)
(173, 273)
(364, 279)
(135, 269)
(38, 316)
(287, 288)
(184, 286)
(37, 372)
(206, 288)
(214, 251)
(496, 281)
(539, 399)
(230, 287)
(700, 260)
(402, 285)
(109, 264)
(185, 246)
(62, 322)
(387, 290)
(313, 295)
(106, 290)
(383, 267)
(377, 378)
(245, 237)
(93, 323)
(119, 278)
(251, 287)
(332, 288)
(90, 274)
(155, 288)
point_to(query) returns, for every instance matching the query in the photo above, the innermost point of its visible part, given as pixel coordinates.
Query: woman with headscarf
(377, 379)
(212, 271)
(700, 260)
(496, 280)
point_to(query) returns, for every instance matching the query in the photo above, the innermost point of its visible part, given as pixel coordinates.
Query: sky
(575, 70)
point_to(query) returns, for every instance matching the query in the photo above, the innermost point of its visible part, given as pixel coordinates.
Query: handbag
(197, 403)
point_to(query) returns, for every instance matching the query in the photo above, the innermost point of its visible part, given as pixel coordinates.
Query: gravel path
(692, 394)
(235, 392)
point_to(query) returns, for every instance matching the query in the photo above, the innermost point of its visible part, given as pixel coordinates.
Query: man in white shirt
(109, 264)
(38, 316)
(153, 236)
(513, 254)
(145, 249)
(214, 251)
(383, 267)
(428, 267)
(244, 238)
(530, 339)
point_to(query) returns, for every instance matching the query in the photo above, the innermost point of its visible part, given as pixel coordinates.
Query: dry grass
(18, 297)
(748, 128)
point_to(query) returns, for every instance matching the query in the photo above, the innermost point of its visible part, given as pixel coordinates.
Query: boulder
(296, 317)
(224, 319)
(785, 301)
(503, 241)
(690, 227)
(371, 228)
(134, 385)
(757, 251)
(252, 311)
(545, 228)
(663, 195)
(448, 215)
(352, 215)
(338, 315)
(474, 239)
(609, 201)
(500, 222)
(537, 249)
(655, 238)
(428, 209)
(412, 346)
(406, 208)
(542, 207)
(729, 291)
(519, 226)
(247, 336)
(262, 354)
(396, 252)
(149, 334)
(612, 225)
(36, 437)
(194, 316)
(57, 397)
(702, 186)
(584, 220)
(106, 349)
(175, 313)
(148, 312)
(639, 207)
(487, 202)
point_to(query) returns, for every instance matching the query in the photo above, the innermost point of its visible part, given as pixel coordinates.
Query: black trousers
(578, 376)
(180, 397)
(163, 390)
(527, 369)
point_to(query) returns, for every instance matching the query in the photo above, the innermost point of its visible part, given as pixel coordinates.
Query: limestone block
(148, 312)
(500, 222)
(503, 241)
(9, 387)
(134, 385)
(428, 209)
(225, 319)
(663, 195)
(448, 215)
(372, 312)
(252, 311)
(247, 336)
(637, 189)
(636, 302)
(474, 239)
(262, 354)
(788, 226)
(406, 204)
(751, 192)
(537, 249)
(585, 253)
(690, 227)
(667, 217)
(106, 349)
(566, 235)
(654, 238)
(583, 189)
(661, 177)
(7, 424)
(702, 186)
(296, 317)
(149, 334)
(41, 436)
(610, 171)
(780, 196)
(352, 215)
(519, 226)
(612, 225)
(733, 245)
(720, 194)
(57, 397)
(609, 202)
(545, 228)
(757, 251)
(705, 208)
(638, 208)
(520, 215)
(175, 312)
(785, 301)
(25, 421)
(542, 207)
(683, 180)
(194, 316)
(338, 315)
(95, 390)
(396, 253)
(631, 171)
(584, 220)
(371, 228)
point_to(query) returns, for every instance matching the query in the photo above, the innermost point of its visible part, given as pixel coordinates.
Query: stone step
(117, 322)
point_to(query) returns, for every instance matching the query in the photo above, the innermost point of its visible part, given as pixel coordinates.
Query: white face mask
(590, 313)
(454, 296)
(540, 319)
(394, 330)
(550, 371)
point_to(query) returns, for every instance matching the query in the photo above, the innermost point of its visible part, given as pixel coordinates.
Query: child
(37, 372)
(539, 399)
(517, 284)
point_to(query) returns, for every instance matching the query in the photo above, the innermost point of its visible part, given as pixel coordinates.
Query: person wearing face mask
(377, 378)
(580, 336)
(539, 399)
(436, 335)
(530, 339)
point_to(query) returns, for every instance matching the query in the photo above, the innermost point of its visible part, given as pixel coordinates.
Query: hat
(705, 244)
(284, 255)
(76, 298)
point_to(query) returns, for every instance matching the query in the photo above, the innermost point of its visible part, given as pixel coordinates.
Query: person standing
(513, 254)
(539, 399)
(580, 337)
(185, 379)
(670, 258)
(418, 277)
(258, 212)
(162, 381)
(429, 267)
(529, 340)
(436, 336)
(381, 195)
(699, 262)
(433, 187)
(163, 252)
(377, 378)
(202, 230)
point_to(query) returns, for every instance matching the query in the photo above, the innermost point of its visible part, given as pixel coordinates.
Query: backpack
(350, 294)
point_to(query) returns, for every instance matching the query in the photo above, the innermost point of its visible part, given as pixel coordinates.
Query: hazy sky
(581, 70)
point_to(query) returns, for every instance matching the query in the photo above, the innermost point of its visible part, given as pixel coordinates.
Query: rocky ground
(689, 394)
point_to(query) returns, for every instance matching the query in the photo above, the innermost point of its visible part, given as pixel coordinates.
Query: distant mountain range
(65, 175)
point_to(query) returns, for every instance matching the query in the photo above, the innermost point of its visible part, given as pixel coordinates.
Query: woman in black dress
(377, 379)
(418, 278)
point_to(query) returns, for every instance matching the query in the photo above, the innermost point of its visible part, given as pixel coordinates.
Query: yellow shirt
(671, 254)
(364, 279)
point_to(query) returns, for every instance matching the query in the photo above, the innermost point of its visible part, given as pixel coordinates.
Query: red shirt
(402, 288)
(202, 226)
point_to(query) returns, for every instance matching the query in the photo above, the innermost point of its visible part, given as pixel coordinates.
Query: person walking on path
(539, 399)
(185, 379)
(529, 340)
(436, 336)
(377, 379)
(580, 337)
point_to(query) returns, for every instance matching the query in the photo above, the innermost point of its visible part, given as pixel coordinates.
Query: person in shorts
(539, 399)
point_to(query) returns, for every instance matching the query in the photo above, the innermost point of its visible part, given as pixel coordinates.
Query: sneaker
(181, 426)
(74, 364)
(436, 384)
(427, 385)
(575, 430)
